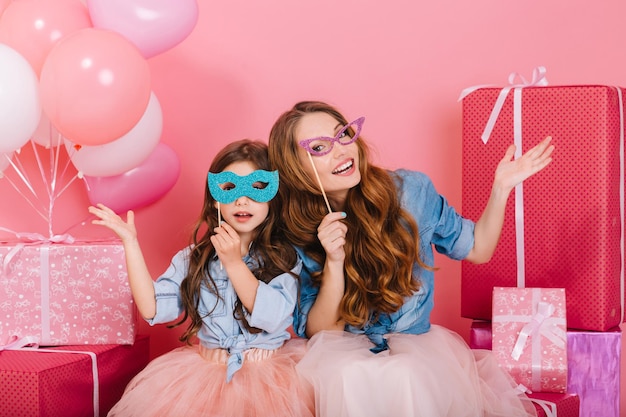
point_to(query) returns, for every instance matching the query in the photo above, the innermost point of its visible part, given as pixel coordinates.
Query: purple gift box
(593, 361)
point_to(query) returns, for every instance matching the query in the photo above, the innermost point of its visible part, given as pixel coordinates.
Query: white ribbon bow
(516, 80)
(538, 326)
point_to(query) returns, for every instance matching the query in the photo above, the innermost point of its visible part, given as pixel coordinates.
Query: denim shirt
(440, 226)
(273, 309)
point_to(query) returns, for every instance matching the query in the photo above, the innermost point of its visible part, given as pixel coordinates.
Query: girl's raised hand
(108, 218)
(227, 243)
(511, 172)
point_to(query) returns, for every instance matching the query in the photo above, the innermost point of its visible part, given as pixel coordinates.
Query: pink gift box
(553, 405)
(66, 294)
(593, 366)
(571, 210)
(55, 383)
(529, 336)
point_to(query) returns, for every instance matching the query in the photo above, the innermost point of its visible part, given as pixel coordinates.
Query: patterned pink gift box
(529, 336)
(66, 294)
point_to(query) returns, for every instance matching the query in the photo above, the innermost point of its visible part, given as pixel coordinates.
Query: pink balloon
(33, 27)
(95, 86)
(153, 25)
(139, 187)
(122, 154)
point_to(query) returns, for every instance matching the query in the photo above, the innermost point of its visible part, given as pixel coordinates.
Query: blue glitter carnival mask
(260, 186)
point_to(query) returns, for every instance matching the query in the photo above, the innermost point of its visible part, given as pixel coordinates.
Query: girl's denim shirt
(439, 225)
(273, 309)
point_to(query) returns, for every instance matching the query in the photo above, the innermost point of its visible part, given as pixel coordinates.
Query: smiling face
(338, 169)
(244, 214)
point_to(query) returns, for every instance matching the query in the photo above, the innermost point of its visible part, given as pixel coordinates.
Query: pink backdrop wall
(401, 64)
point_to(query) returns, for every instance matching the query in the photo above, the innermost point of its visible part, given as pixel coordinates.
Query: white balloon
(20, 107)
(125, 153)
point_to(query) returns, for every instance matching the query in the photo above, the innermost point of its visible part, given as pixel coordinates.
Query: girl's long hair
(382, 242)
(271, 250)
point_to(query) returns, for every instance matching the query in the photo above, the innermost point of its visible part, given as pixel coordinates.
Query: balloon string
(82, 177)
(67, 165)
(55, 171)
(55, 167)
(52, 176)
(56, 176)
(41, 170)
(21, 174)
(38, 211)
(65, 187)
(49, 183)
(58, 158)
(81, 223)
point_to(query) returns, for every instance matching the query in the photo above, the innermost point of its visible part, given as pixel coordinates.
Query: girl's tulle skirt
(434, 374)
(191, 381)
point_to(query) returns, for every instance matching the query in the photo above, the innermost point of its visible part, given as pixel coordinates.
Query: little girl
(237, 285)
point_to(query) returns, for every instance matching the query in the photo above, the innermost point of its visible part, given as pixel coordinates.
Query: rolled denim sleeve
(439, 223)
(454, 235)
(275, 302)
(167, 290)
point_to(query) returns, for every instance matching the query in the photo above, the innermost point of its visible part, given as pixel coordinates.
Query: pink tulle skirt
(191, 381)
(429, 375)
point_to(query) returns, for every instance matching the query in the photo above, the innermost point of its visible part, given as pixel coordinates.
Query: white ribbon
(548, 406)
(39, 238)
(516, 83)
(26, 238)
(532, 328)
(18, 343)
(621, 197)
(29, 343)
(44, 278)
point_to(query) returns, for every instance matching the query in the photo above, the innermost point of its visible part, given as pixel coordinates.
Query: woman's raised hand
(511, 172)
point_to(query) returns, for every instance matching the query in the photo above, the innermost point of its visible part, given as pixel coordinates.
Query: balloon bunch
(75, 76)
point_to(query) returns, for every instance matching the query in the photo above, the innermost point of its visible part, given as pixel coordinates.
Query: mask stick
(219, 222)
(319, 182)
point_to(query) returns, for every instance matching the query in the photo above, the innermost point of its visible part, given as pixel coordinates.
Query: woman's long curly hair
(274, 255)
(382, 242)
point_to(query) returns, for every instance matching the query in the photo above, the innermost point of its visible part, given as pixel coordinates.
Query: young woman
(366, 237)
(236, 284)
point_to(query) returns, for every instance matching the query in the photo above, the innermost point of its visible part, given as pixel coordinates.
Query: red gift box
(66, 293)
(563, 226)
(54, 383)
(593, 366)
(553, 405)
